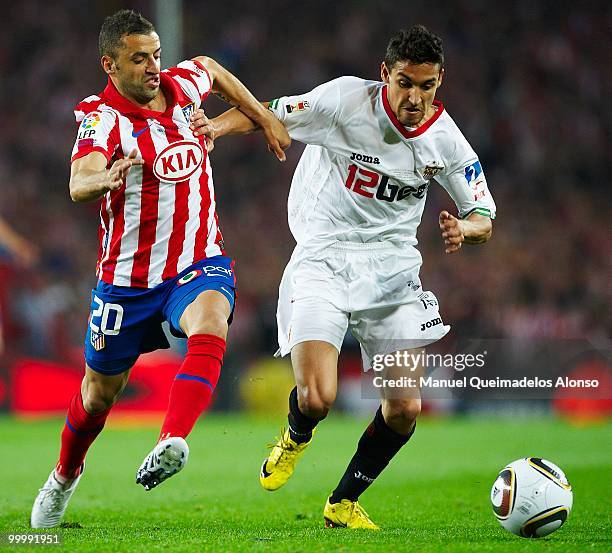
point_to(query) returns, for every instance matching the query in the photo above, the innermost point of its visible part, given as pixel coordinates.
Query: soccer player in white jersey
(161, 253)
(356, 200)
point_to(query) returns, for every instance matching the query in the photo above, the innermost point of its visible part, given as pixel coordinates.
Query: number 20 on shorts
(104, 311)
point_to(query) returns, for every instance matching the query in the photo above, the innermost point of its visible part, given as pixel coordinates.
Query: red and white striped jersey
(164, 219)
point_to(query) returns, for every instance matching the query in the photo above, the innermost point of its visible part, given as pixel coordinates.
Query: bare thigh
(207, 314)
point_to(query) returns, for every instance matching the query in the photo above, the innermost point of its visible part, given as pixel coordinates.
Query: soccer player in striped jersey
(161, 255)
(356, 200)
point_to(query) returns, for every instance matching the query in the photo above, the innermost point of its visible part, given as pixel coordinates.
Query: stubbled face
(136, 66)
(412, 89)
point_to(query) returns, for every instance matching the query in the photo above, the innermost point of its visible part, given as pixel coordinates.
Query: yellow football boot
(347, 514)
(280, 464)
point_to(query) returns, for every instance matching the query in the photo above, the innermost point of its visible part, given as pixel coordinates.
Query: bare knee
(315, 367)
(94, 402)
(315, 402)
(401, 414)
(100, 392)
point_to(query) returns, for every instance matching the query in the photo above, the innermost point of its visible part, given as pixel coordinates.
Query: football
(531, 497)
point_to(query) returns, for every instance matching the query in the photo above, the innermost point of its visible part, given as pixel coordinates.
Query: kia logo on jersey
(178, 161)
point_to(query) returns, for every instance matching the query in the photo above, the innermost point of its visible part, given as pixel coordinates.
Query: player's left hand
(452, 233)
(203, 126)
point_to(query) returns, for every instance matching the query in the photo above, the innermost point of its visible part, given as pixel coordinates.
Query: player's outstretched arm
(22, 249)
(228, 87)
(232, 121)
(474, 229)
(90, 179)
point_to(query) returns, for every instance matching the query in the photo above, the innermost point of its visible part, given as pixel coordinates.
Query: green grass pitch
(433, 497)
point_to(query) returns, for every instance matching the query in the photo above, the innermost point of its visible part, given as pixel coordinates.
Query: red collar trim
(403, 130)
(126, 106)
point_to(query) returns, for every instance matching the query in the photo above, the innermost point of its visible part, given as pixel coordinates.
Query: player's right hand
(277, 137)
(121, 168)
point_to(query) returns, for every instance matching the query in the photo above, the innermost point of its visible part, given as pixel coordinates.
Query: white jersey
(363, 176)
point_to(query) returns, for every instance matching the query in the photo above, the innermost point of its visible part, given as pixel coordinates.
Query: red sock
(80, 430)
(193, 385)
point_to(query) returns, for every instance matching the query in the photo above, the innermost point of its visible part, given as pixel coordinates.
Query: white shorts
(372, 289)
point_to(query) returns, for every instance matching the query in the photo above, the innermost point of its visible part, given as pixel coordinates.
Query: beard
(141, 94)
(408, 118)
(138, 91)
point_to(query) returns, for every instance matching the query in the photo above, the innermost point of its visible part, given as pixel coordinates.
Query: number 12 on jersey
(371, 184)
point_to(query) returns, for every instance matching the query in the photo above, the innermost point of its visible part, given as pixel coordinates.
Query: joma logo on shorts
(365, 158)
(429, 324)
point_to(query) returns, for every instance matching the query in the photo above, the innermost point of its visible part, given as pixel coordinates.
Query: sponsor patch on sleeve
(297, 106)
(198, 70)
(91, 120)
(85, 143)
(472, 172)
(89, 128)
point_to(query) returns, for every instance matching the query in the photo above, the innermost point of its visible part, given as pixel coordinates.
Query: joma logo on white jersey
(365, 158)
(178, 161)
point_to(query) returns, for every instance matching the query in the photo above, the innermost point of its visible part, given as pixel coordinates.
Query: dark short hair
(118, 25)
(417, 44)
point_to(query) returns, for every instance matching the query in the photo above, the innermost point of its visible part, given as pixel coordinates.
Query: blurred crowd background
(526, 82)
